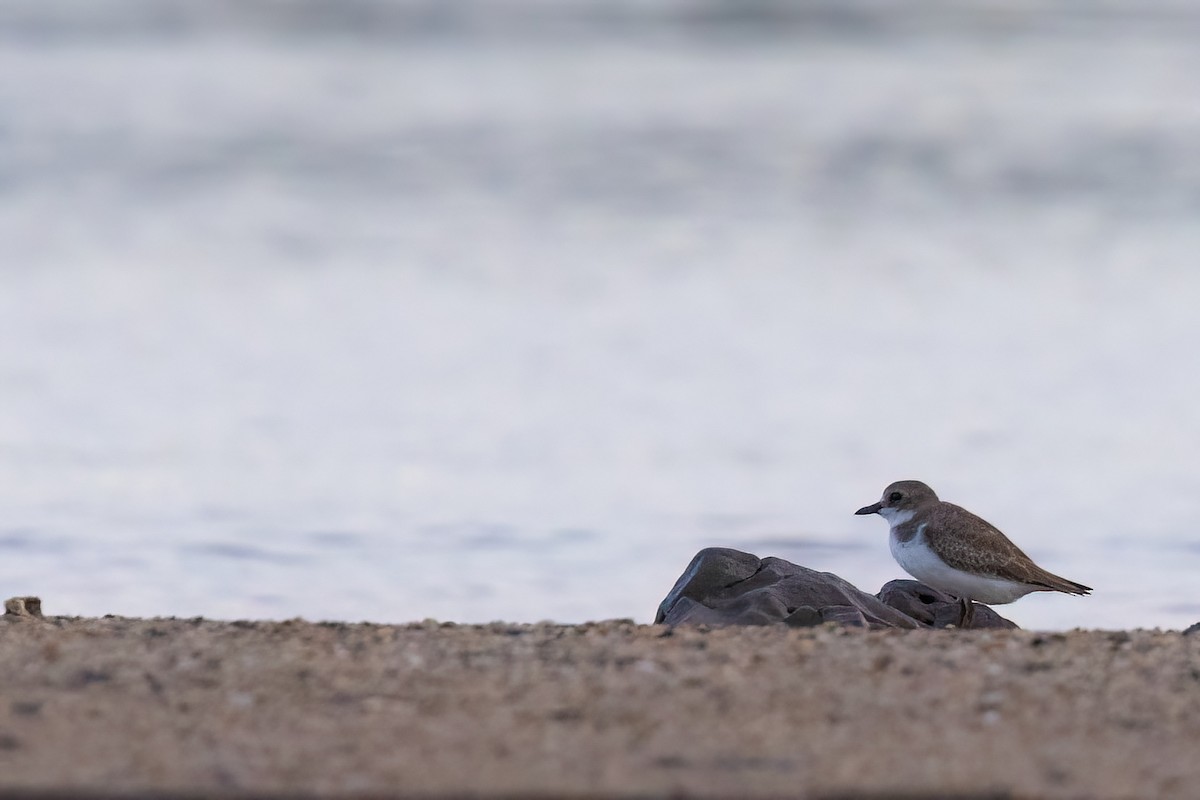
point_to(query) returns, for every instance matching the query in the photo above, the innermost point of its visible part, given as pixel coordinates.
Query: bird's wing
(975, 545)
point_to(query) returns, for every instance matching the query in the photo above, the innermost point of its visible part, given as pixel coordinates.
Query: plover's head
(902, 497)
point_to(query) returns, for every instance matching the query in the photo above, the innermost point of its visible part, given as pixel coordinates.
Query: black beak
(871, 509)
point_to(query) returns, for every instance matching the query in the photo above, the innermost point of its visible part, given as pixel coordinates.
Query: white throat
(895, 516)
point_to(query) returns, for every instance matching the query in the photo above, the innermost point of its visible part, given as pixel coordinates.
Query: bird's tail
(1055, 583)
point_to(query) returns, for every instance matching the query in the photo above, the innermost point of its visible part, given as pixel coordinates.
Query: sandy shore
(160, 706)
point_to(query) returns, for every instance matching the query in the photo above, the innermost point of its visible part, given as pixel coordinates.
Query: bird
(950, 549)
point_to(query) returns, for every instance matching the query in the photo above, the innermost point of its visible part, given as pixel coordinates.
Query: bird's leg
(968, 612)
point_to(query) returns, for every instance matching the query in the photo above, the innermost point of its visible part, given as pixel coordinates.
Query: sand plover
(952, 550)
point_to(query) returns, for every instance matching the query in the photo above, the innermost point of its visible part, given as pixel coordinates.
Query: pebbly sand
(155, 707)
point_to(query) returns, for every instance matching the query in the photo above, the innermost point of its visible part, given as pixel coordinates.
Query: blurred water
(384, 310)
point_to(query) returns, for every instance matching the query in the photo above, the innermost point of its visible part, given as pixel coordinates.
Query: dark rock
(723, 586)
(710, 570)
(1194, 629)
(936, 609)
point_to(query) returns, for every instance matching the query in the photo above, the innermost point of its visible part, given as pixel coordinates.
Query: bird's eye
(894, 496)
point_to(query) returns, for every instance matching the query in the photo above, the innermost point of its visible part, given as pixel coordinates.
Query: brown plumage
(972, 544)
(953, 550)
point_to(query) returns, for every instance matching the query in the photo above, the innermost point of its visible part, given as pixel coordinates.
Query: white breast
(922, 563)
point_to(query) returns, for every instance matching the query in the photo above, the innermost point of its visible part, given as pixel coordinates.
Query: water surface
(347, 312)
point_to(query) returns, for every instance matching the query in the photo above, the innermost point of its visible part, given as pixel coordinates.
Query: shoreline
(121, 706)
